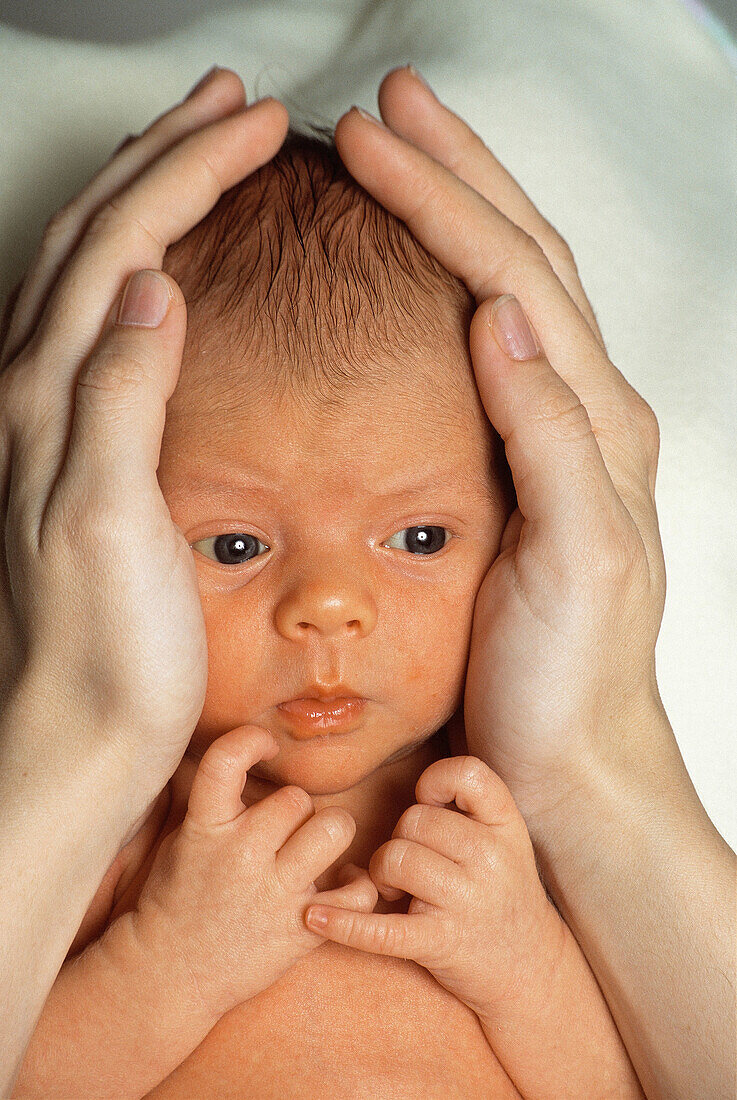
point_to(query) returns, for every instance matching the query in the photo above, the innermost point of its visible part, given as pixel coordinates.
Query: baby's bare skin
(155, 983)
(219, 920)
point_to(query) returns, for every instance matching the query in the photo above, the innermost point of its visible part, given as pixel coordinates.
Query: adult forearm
(59, 832)
(649, 889)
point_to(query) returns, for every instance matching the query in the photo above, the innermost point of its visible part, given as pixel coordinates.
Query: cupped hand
(561, 670)
(101, 624)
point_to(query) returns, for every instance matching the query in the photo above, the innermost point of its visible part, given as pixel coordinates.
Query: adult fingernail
(201, 83)
(418, 76)
(512, 330)
(369, 118)
(145, 300)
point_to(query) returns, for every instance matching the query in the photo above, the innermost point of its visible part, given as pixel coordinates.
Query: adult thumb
(125, 383)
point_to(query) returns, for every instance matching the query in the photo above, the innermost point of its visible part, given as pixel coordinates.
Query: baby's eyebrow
(244, 482)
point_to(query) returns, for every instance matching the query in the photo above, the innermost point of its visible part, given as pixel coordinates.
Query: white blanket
(618, 119)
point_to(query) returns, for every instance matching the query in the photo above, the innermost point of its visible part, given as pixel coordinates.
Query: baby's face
(346, 546)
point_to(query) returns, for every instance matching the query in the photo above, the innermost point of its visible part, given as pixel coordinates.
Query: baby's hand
(228, 889)
(481, 923)
(479, 911)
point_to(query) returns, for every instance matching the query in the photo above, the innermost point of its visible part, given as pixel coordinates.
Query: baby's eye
(238, 547)
(233, 548)
(422, 540)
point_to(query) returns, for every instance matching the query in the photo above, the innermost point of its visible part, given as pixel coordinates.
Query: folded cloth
(619, 122)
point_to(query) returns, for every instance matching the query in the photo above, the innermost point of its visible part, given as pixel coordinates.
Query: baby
(327, 456)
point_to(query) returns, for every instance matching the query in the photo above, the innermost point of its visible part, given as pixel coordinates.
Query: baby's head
(327, 456)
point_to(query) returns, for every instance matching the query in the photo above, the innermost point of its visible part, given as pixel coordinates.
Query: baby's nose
(326, 610)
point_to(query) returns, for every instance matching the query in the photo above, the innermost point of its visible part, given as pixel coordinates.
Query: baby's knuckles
(503, 901)
(234, 920)
(220, 916)
(507, 921)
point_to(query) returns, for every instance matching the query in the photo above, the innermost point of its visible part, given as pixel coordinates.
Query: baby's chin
(317, 780)
(323, 766)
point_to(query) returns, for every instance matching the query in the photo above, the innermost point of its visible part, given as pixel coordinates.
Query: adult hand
(101, 624)
(561, 698)
(561, 670)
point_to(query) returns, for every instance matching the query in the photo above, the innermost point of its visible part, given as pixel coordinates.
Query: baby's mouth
(309, 718)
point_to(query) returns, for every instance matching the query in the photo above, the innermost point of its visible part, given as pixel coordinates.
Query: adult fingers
(119, 410)
(8, 310)
(493, 256)
(565, 490)
(132, 231)
(221, 95)
(413, 111)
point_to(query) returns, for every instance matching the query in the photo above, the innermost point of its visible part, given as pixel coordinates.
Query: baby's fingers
(220, 96)
(356, 891)
(215, 795)
(471, 784)
(401, 935)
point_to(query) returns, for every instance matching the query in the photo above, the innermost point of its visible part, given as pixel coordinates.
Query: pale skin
(327, 588)
(625, 978)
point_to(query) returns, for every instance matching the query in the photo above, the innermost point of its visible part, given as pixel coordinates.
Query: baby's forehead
(406, 416)
(418, 384)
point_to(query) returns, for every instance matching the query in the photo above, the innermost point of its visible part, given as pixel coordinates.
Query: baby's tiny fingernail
(316, 918)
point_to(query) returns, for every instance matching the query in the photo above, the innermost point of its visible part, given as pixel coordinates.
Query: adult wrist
(58, 773)
(633, 863)
(608, 793)
(61, 824)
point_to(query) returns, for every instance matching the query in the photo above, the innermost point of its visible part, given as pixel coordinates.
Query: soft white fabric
(618, 119)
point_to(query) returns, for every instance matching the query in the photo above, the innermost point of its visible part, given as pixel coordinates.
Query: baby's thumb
(124, 385)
